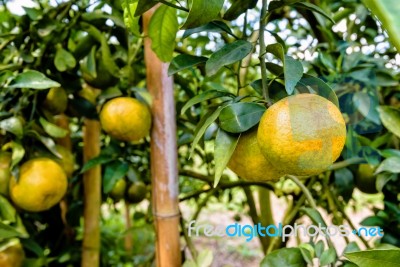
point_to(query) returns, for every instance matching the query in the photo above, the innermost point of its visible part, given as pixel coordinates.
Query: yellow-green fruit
(248, 162)
(12, 256)
(56, 100)
(365, 179)
(42, 183)
(137, 192)
(118, 190)
(126, 119)
(67, 160)
(302, 134)
(5, 174)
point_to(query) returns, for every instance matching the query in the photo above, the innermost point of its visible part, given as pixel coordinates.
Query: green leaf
(307, 252)
(373, 221)
(204, 123)
(143, 6)
(46, 141)
(328, 257)
(106, 55)
(213, 26)
(373, 258)
(12, 125)
(238, 7)
(288, 257)
(387, 12)
(228, 54)
(202, 12)
(389, 165)
(113, 172)
(315, 216)
(7, 231)
(7, 211)
(366, 106)
(293, 71)
(239, 117)
(277, 50)
(314, 8)
(163, 27)
(205, 258)
(319, 248)
(52, 129)
(99, 160)
(131, 20)
(64, 60)
(225, 145)
(183, 62)
(34, 80)
(319, 87)
(390, 118)
(351, 247)
(207, 95)
(18, 152)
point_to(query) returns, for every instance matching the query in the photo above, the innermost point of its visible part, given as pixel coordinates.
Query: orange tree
(232, 61)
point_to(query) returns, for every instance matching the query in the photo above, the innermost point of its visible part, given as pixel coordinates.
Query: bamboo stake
(92, 196)
(163, 157)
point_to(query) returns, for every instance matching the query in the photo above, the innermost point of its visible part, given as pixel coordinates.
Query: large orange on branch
(248, 162)
(126, 119)
(42, 183)
(302, 134)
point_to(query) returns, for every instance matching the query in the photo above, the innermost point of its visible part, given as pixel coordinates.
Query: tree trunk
(92, 196)
(163, 157)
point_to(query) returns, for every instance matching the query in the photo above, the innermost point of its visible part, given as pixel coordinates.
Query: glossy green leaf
(99, 160)
(228, 54)
(7, 211)
(64, 60)
(387, 12)
(314, 8)
(12, 125)
(315, 216)
(163, 27)
(293, 71)
(225, 145)
(34, 80)
(319, 87)
(131, 20)
(52, 129)
(7, 231)
(366, 106)
(183, 62)
(373, 258)
(113, 172)
(207, 95)
(144, 5)
(390, 118)
(238, 7)
(389, 165)
(213, 26)
(288, 257)
(204, 123)
(202, 12)
(328, 257)
(276, 50)
(240, 117)
(46, 141)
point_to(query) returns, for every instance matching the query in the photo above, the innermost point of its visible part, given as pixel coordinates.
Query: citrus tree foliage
(230, 60)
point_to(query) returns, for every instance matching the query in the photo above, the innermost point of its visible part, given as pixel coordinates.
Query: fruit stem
(263, 21)
(310, 200)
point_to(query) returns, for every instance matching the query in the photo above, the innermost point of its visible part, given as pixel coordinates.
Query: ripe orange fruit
(56, 100)
(126, 119)
(5, 174)
(365, 179)
(302, 134)
(42, 184)
(12, 255)
(248, 162)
